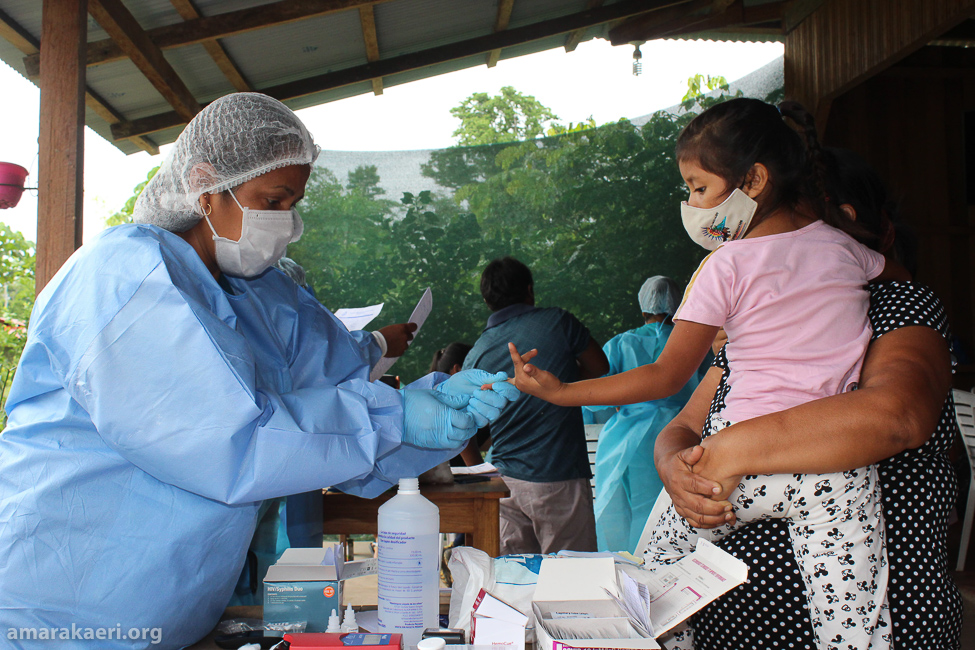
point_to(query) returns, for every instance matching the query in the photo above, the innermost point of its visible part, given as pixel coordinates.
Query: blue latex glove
(484, 405)
(467, 382)
(436, 420)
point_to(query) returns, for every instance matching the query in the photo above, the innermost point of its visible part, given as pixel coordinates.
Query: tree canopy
(593, 211)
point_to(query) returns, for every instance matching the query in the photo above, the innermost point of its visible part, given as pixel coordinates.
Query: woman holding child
(810, 466)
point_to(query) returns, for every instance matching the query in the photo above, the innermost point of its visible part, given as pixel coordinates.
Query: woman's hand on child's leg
(690, 492)
(711, 466)
(530, 379)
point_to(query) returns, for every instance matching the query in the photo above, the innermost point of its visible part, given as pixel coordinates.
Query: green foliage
(125, 214)
(16, 301)
(365, 180)
(558, 129)
(592, 210)
(508, 117)
(699, 85)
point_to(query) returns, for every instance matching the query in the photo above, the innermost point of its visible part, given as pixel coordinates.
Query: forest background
(592, 210)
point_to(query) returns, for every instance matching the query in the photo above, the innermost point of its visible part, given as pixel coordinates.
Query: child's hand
(711, 467)
(529, 379)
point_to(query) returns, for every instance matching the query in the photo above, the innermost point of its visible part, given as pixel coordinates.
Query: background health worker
(627, 484)
(171, 382)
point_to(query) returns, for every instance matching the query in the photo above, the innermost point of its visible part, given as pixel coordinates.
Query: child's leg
(841, 550)
(836, 527)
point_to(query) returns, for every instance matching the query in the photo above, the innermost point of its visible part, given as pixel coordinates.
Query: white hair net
(234, 139)
(659, 295)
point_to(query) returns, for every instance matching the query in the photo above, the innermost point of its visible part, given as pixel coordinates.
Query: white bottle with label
(409, 563)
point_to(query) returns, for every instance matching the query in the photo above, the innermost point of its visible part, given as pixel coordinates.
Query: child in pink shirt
(790, 290)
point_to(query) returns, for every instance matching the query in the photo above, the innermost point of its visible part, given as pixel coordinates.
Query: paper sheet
(672, 593)
(483, 468)
(356, 318)
(419, 316)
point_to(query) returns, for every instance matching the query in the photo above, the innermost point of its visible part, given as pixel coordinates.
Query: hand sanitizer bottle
(409, 563)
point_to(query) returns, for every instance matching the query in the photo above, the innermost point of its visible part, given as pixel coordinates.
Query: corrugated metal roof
(315, 46)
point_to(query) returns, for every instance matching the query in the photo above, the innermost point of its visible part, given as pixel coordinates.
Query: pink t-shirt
(794, 306)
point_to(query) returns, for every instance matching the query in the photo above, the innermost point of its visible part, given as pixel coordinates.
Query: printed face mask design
(711, 227)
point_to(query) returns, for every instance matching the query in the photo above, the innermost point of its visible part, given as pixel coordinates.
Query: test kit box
(574, 611)
(497, 624)
(305, 585)
(589, 603)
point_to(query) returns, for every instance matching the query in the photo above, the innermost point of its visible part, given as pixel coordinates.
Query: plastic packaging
(349, 624)
(333, 623)
(431, 643)
(409, 563)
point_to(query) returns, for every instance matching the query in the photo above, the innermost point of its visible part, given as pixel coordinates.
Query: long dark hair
(446, 358)
(730, 137)
(850, 180)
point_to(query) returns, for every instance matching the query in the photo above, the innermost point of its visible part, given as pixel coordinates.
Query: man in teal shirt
(539, 448)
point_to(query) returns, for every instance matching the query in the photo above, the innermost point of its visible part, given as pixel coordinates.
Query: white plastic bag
(512, 578)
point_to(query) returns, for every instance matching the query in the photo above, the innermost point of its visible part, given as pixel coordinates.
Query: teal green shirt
(534, 440)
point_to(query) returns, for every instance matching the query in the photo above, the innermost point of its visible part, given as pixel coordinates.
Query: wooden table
(468, 508)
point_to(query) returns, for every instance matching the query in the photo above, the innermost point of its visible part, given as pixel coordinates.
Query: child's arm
(681, 357)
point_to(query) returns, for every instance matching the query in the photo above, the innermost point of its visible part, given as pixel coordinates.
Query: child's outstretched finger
(515, 356)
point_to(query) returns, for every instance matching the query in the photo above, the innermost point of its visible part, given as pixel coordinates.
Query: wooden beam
(26, 43)
(421, 59)
(222, 25)
(687, 16)
(129, 35)
(61, 158)
(104, 110)
(188, 11)
(798, 12)
(573, 39)
(367, 17)
(735, 17)
(500, 24)
(17, 36)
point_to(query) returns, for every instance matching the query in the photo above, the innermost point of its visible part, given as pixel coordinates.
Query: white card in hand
(419, 316)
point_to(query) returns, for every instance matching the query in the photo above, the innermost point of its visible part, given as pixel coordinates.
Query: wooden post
(64, 36)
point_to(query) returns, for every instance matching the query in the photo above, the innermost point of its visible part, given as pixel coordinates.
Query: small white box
(579, 602)
(497, 624)
(570, 597)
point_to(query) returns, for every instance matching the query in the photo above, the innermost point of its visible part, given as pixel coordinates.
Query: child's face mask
(727, 221)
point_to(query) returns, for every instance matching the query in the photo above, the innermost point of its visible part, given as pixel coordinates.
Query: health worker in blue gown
(172, 381)
(627, 484)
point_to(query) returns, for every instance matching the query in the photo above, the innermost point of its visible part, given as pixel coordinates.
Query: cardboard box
(571, 605)
(584, 604)
(497, 624)
(305, 585)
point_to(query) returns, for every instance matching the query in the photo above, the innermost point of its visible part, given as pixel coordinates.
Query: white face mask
(264, 239)
(711, 227)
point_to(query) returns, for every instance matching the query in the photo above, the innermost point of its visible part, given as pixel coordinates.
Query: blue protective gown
(151, 414)
(627, 484)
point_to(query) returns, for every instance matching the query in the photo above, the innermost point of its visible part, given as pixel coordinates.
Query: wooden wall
(846, 42)
(909, 121)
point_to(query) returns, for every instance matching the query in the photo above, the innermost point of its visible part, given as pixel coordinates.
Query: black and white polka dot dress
(919, 489)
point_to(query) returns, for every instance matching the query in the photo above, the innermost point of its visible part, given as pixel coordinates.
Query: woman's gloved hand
(484, 405)
(436, 420)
